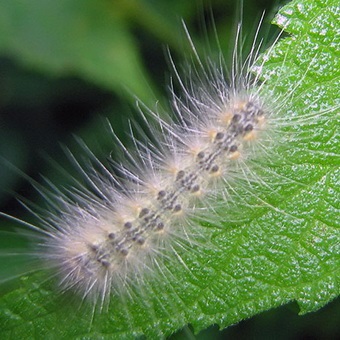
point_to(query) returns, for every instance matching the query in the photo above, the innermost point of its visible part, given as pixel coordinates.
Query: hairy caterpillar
(122, 236)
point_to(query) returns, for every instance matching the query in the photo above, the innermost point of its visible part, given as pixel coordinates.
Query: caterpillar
(124, 237)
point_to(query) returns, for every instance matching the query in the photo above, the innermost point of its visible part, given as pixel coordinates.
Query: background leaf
(271, 260)
(66, 37)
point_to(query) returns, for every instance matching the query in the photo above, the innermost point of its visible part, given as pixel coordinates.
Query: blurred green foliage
(64, 65)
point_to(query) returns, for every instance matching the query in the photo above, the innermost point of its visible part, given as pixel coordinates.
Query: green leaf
(67, 38)
(288, 248)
